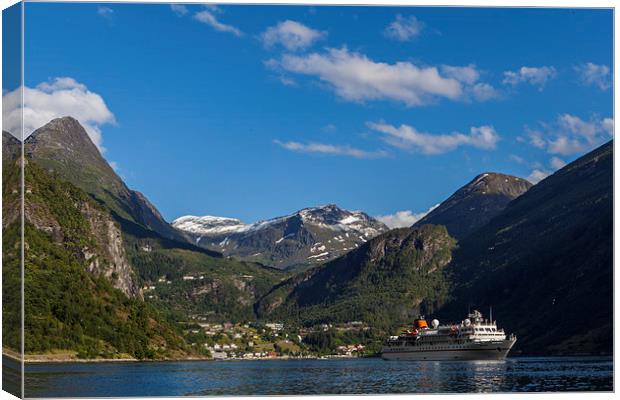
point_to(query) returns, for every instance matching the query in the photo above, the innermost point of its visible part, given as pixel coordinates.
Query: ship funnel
(420, 324)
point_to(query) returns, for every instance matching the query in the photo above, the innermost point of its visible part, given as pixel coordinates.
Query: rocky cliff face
(114, 264)
(75, 221)
(476, 203)
(308, 237)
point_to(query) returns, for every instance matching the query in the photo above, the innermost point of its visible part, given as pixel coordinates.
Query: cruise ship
(475, 338)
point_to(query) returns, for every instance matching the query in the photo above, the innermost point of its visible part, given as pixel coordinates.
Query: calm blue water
(340, 376)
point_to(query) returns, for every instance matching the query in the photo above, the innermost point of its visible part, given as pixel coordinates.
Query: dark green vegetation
(11, 243)
(324, 342)
(66, 306)
(546, 262)
(385, 283)
(192, 283)
(476, 203)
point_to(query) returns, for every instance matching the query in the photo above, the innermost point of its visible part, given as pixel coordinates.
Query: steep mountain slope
(545, 263)
(11, 244)
(476, 203)
(308, 237)
(385, 282)
(80, 291)
(10, 147)
(63, 146)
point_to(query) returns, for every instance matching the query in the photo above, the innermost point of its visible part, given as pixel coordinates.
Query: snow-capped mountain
(309, 236)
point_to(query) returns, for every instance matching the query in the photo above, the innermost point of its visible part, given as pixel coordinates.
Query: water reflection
(355, 376)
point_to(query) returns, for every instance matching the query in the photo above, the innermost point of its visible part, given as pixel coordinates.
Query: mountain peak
(474, 204)
(67, 137)
(494, 182)
(63, 145)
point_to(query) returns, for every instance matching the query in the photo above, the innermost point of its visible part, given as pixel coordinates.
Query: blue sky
(257, 111)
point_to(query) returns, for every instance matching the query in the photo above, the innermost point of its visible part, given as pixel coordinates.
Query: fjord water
(334, 376)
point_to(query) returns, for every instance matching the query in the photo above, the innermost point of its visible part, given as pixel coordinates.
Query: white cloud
(565, 145)
(330, 149)
(404, 218)
(557, 163)
(535, 76)
(595, 75)
(608, 126)
(537, 175)
(179, 9)
(535, 138)
(404, 28)
(114, 165)
(579, 127)
(569, 134)
(407, 137)
(286, 81)
(105, 12)
(291, 35)
(59, 98)
(355, 77)
(466, 74)
(208, 17)
(483, 91)
(517, 159)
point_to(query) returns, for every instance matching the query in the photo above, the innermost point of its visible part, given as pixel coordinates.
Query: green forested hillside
(545, 263)
(66, 306)
(220, 289)
(386, 282)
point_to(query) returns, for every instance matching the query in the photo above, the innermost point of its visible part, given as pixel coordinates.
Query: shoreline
(42, 359)
(48, 359)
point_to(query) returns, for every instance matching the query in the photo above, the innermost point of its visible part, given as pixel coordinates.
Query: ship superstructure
(475, 338)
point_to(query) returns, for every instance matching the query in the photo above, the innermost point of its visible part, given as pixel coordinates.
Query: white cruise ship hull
(470, 351)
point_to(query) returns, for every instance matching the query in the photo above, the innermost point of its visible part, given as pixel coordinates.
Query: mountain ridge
(306, 237)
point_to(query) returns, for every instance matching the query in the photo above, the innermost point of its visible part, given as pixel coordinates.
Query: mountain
(63, 146)
(386, 282)
(307, 237)
(80, 292)
(545, 263)
(106, 276)
(476, 203)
